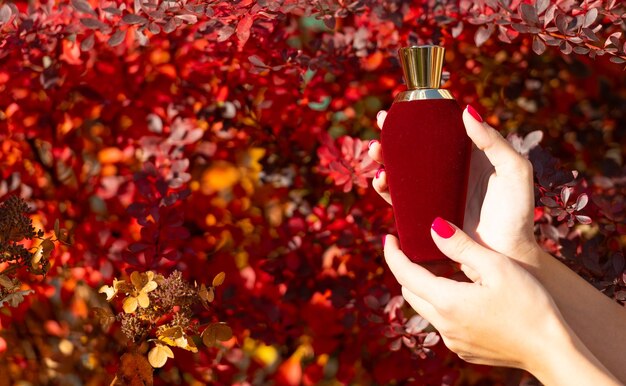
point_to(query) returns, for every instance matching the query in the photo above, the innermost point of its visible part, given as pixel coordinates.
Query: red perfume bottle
(426, 153)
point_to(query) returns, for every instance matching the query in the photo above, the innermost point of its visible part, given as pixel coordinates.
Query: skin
(514, 283)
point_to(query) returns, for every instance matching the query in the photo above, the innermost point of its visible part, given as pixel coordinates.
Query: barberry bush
(153, 151)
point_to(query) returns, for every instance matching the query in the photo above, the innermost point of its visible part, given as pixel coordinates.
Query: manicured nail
(373, 141)
(442, 228)
(379, 171)
(474, 113)
(384, 238)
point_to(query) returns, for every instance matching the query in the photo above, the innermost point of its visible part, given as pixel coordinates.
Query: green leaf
(321, 105)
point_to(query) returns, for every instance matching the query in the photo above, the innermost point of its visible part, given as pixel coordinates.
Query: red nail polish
(443, 228)
(474, 113)
(384, 237)
(373, 141)
(379, 171)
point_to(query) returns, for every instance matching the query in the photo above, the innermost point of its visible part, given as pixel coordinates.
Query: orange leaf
(135, 370)
(218, 280)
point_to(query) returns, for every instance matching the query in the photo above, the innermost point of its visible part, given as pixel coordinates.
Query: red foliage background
(210, 136)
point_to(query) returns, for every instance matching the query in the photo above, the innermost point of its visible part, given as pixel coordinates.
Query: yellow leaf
(176, 337)
(266, 354)
(139, 280)
(43, 251)
(169, 335)
(150, 286)
(186, 344)
(6, 282)
(143, 300)
(216, 332)
(208, 295)
(130, 304)
(218, 280)
(108, 290)
(159, 354)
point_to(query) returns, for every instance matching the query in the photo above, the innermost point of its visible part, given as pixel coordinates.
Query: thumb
(498, 150)
(458, 246)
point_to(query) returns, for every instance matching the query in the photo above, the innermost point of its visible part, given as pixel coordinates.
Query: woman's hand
(504, 317)
(500, 199)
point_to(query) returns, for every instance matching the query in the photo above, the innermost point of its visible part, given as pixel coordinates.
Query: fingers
(470, 273)
(422, 307)
(380, 185)
(414, 277)
(375, 151)
(497, 149)
(458, 246)
(380, 118)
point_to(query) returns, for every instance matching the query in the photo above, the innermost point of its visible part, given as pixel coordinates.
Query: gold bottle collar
(421, 94)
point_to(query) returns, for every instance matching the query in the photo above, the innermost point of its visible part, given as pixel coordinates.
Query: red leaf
(590, 17)
(256, 61)
(561, 23)
(581, 50)
(131, 19)
(224, 33)
(117, 38)
(87, 43)
(584, 219)
(541, 6)
(170, 26)
(83, 6)
(581, 201)
(565, 194)
(5, 13)
(590, 34)
(538, 46)
(92, 23)
(565, 48)
(549, 16)
(112, 10)
(482, 34)
(613, 39)
(456, 31)
(243, 30)
(529, 14)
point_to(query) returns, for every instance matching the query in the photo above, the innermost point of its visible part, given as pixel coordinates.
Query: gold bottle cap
(422, 66)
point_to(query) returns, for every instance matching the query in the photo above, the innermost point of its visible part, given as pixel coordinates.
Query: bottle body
(426, 154)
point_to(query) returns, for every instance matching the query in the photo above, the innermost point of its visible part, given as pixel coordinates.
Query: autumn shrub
(183, 144)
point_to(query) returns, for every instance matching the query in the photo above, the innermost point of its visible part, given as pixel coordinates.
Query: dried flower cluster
(160, 310)
(15, 228)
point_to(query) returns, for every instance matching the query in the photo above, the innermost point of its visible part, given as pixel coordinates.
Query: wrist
(531, 257)
(562, 358)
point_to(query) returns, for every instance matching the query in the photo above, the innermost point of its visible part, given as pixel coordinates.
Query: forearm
(567, 361)
(598, 322)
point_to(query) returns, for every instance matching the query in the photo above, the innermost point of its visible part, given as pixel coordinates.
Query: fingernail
(474, 113)
(373, 141)
(378, 115)
(379, 171)
(384, 238)
(442, 228)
